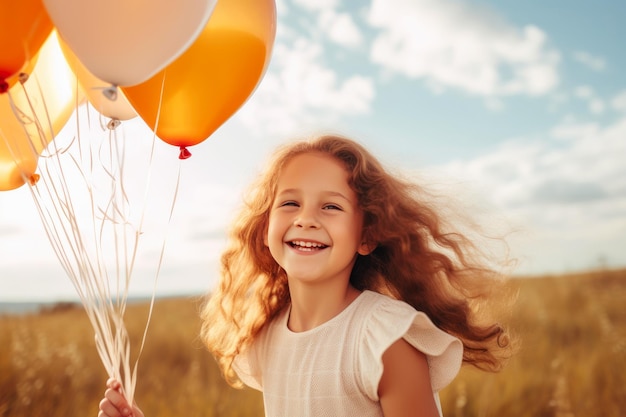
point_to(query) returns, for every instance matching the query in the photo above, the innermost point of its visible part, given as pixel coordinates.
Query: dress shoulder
(386, 320)
(248, 364)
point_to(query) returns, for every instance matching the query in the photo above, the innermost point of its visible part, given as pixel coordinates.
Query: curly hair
(416, 259)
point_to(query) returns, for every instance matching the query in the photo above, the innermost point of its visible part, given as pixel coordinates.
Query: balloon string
(79, 226)
(130, 385)
(157, 273)
(62, 222)
(80, 250)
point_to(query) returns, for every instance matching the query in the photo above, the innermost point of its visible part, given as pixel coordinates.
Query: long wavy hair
(417, 259)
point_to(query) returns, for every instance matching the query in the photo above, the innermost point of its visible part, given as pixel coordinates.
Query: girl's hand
(114, 404)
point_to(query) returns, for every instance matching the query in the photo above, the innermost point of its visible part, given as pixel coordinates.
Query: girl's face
(315, 224)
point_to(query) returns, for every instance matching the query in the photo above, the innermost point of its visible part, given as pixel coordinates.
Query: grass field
(572, 360)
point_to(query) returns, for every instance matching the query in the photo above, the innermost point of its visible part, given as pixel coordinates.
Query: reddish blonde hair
(417, 259)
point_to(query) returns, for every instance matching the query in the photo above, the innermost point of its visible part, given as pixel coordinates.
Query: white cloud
(584, 91)
(340, 28)
(619, 102)
(568, 195)
(595, 104)
(590, 61)
(337, 27)
(570, 130)
(457, 45)
(300, 91)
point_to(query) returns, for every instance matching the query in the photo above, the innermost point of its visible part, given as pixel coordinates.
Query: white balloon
(117, 108)
(125, 42)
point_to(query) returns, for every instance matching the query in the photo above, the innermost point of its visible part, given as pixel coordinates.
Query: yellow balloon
(32, 113)
(24, 26)
(212, 79)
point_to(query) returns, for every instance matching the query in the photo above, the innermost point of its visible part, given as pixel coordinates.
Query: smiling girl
(343, 294)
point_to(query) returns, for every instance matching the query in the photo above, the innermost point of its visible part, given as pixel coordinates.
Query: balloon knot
(23, 77)
(33, 179)
(184, 153)
(113, 124)
(110, 92)
(4, 86)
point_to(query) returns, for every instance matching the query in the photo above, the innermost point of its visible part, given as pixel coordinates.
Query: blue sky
(518, 109)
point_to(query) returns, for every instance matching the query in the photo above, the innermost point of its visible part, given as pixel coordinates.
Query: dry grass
(49, 366)
(572, 360)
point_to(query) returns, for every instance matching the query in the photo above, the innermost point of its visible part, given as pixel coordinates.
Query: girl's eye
(288, 204)
(331, 207)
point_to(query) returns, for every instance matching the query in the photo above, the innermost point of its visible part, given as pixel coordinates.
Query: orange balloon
(14, 171)
(24, 27)
(26, 70)
(18, 154)
(33, 113)
(210, 81)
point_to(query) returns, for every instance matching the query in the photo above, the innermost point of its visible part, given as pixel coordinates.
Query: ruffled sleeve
(246, 367)
(247, 364)
(388, 321)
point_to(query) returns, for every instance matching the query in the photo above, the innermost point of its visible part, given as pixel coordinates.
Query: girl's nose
(306, 220)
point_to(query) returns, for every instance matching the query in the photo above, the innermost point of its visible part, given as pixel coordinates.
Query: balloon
(126, 42)
(208, 83)
(31, 114)
(24, 26)
(118, 108)
(15, 171)
(23, 74)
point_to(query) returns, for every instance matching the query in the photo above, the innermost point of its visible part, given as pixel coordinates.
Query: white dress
(334, 369)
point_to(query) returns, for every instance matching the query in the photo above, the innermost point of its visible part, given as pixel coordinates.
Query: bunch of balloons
(184, 67)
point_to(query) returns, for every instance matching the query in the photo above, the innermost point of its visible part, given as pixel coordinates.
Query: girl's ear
(366, 248)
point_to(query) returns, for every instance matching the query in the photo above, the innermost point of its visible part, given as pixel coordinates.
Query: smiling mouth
(306, 246)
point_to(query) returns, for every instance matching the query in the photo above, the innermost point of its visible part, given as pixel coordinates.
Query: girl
(343, 293)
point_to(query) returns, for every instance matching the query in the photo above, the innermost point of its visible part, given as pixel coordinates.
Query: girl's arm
(115, 405)
(404, 388)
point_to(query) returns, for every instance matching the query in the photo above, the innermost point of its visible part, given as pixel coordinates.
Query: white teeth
(303, 244)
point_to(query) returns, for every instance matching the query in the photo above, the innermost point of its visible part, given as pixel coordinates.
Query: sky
(515, 109)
